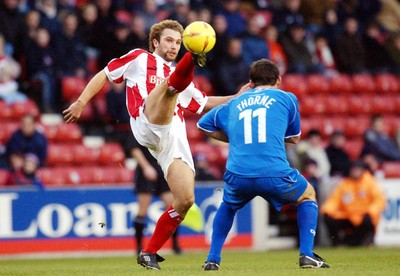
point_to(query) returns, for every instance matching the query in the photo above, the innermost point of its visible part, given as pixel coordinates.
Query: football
(199, 37)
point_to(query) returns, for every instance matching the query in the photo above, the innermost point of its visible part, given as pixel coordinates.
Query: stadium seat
(360, 104)
(125, 175)
(60, 154)
(19, 109)
(391, 169)
(203, 84)
(331, 124)
(85, 155)
(363, 84)
(68, 133)
(72, 87)
(104, 175)
(336, 104)
(317, 84)
(383, 104)
(6, 111)
(52, 176)
(50, 131)
(392, 125)
(309, 123)
(263, 18)
(341, 83)
(7, 128)
(387, 83)
(353, 148)
(3, 177)
(193, 133)
(294, 83)
(111, 154)
(312, 105)
(211, 152)
(356, 126)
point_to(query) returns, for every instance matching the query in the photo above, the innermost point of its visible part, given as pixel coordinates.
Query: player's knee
(309, 194)
(186, 203)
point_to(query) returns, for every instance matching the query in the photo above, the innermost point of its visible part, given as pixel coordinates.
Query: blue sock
(307, 216)
(223, 221)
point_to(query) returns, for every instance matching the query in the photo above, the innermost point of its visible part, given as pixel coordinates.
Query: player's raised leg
(161, 102)
(307, 217)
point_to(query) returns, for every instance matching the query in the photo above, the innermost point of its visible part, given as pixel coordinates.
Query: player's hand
(243, 89)
(73, 112)
(150, 173)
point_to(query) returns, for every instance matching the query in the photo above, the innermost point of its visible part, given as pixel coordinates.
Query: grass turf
(343, 261)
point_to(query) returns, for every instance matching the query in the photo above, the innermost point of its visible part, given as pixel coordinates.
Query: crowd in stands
(49, 48)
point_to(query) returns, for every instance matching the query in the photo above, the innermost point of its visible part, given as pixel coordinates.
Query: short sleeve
(212, 120)
(117, 67)
(294, 117)
(193, 99)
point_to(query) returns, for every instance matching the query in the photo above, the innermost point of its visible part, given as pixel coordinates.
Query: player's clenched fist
(73, 112)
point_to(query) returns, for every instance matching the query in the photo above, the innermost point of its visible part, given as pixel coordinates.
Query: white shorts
(165, 142)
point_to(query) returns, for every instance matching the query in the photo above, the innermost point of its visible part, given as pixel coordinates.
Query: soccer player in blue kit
(257, 124)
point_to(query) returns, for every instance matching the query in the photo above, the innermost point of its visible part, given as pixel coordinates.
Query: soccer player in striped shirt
(157, 95)
(257, 124)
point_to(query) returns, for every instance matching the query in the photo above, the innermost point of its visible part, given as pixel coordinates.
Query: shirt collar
(169, 63)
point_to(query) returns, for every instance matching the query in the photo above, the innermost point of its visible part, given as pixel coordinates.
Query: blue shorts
(278, 191)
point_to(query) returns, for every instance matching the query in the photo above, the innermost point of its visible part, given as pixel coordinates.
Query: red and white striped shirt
(142, 71)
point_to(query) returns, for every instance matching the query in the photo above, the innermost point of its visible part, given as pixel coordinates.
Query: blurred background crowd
(340, 57)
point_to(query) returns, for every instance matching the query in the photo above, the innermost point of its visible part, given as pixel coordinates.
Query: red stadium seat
(112, 154)
(294, 83)
(356, 126)
(7, 128)
(312, 105)
(336, 104)
(391, 169)
(68, 133)
(104, 175)
(52, 176)
(211, 152)
(84, 155)
(203, 84)
(385, 104)
(353, 148)
(193, 133)
(309, 123)
(72, 87)
(392, 125)
(341, 84)
(360, 104)
(263, 18)
(60, 154)
(331, 124)
(317, 84)
(363, 84)
(387, 83)
(19, 109)
(3, 177)
(6, 111)
(50, 131)
(125, 175)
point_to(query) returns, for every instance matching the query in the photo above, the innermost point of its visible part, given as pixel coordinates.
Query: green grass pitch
(343, 261)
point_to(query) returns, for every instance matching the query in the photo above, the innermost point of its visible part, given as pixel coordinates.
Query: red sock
(183, 74)
(165, 227)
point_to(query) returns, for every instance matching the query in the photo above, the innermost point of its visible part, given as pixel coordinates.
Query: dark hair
(264, 72)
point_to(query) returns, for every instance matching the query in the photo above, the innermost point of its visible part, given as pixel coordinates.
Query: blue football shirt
(256, 123)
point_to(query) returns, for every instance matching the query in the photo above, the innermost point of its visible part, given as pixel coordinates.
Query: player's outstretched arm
(214, 101)
(74, 111)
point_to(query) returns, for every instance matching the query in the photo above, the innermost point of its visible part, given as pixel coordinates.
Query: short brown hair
(264, 72)
(158, 28)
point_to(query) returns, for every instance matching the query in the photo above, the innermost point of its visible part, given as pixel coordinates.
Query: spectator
(288, 15)
(11, 21)
(349, 50)
(232, 70)
(276, 52)
(9, 72)
(40, 63)
(181, 11)
(216, 55)
(202, 167)
(28, 33)
(332, 28)
(353, 210)
(149, 13)
(312, 148)
(388, 16)
(313, 12)
(23, 170)
(337, 156)
(70, 48)
(378, 59)
(310, 173)
(236, 23)
(299, 56)
(377, 142)
(27, 139)
(87, 26)
(393, 47)
(254, 47)
(324, 56)
(373, 165)
(48, 15)
(138, 37)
